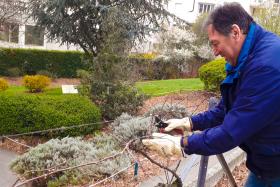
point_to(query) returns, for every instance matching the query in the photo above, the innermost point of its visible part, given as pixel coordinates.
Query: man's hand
(183, 124)
(164, 144)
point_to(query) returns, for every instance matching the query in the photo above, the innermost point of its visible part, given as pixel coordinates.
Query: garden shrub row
(53, 63)
(163, 67)
(18, 62)
(69, 151)
(30, 112)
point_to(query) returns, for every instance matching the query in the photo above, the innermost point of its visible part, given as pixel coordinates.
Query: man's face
(225, 46)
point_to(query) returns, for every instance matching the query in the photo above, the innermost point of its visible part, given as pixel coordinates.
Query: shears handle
(161, 125)
(173, 132)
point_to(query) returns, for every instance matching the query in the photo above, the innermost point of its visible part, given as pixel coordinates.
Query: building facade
(25, 34)
(17, 30)
(189, 10)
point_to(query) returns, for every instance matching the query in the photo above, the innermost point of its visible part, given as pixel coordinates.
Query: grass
(164, 87)
(15, 90)
(152, 88)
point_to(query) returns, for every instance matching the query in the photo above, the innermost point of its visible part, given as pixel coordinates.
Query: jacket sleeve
(210, 118)
(256, 106)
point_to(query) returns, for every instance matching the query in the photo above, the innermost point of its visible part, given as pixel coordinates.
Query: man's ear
(236, 32)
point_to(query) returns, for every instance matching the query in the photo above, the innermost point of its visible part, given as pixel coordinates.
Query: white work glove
(183, 124)
(164, 144)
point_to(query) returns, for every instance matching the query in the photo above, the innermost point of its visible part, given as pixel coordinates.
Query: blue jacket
(248, 114)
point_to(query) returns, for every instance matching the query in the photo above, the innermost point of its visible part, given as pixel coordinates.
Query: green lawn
(14, 90)
(152, 88)
(164, 87)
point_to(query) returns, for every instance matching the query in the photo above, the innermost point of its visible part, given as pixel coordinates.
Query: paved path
(7, 178)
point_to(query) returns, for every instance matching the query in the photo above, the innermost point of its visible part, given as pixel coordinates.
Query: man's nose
(216, 52)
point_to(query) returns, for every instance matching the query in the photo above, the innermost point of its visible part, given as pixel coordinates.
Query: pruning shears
(161, 126)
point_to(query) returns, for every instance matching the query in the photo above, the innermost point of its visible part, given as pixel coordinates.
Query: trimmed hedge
(31, 112)
(212, 74)
(18, 62)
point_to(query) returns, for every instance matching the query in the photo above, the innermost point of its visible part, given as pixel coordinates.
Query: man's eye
(214, 44)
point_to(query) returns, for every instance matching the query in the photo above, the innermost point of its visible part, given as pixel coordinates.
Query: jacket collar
(233, 72)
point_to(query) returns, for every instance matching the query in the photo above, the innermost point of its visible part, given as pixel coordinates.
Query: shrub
(84, 87)
(69, 152)
(168, 111)
(36, 83)
(127, 127)
(16, 62)
(3, 84)
(212, 74)
(114, 99)
(28, 113)
(110, 86)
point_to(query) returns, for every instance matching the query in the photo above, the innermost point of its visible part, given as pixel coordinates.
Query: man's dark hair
(223, 17)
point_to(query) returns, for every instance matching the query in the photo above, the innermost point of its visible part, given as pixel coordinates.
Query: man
(248, 114)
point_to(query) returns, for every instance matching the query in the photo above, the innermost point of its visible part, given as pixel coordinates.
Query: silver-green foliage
(127, 127)
(168, 110)
(69, 152)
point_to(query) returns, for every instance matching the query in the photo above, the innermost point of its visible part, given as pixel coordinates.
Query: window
(205, 7)
(34, 35)
(9, 32)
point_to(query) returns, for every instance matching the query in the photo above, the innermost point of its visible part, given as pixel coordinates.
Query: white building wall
(185, 9)
(48, 45)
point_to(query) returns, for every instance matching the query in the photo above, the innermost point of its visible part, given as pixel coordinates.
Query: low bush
(127, 127)
(212, 74)
(114, 99)
(36, 83)
(167, 111)
(69, 152)
(3, 84)
(29, 112)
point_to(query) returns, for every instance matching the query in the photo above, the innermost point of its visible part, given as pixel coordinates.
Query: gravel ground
(240, 174)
